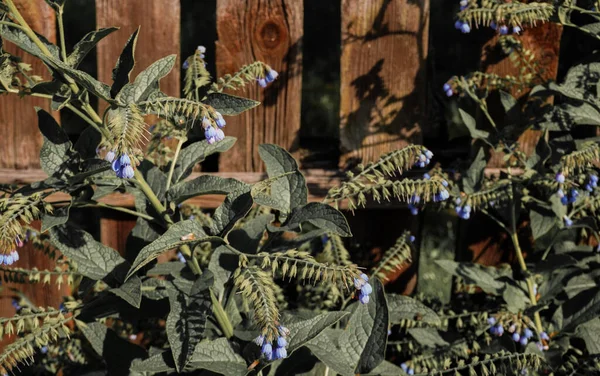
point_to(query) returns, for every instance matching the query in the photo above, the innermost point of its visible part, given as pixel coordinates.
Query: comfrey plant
(222, 303)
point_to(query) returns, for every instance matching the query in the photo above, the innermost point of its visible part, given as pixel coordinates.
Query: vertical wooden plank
(270, 31)
(20, 140)
(114, 230)
(159, 36)
(544, 42)
(383, 75)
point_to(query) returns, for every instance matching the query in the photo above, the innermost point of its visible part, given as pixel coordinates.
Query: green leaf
(319, 215)
(196, 153)
(125, 64)
(130, 291)
(326, 347)
(162, 362)
(542, 219)
(541, 155)
(578, 310)
(18, 37)
(590, 333)
(471, 125)
(427, 337)
(228, 104)
(223, 262)
(59, 217)
(288, 187)
(218, 356)
(305, 330)
(247, 238)
(508, 101)
(147, 81)
(235, 207)
(55, 150)
(155, 289)
(86, 44)
(406, 308)
(485, 277)
(176, 236)
(99, 89)
(87, 142)
(365, 338)
(94, 260)
(186, 321)
(205, 185)
(472, 179)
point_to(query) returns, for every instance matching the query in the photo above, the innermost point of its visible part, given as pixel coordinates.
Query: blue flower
(491, 320)
(411, 371)
(589, 188)
(116, 166)
(364, 299)
(211, 135)
(404, 367)
(366, 289)
(564, 200)
(44, 349)
(413, 209)
(283, 331)
(281, 342)
(458, 24)
(465, 28)
(219, 135)
(182, 259)
(206, 123)
(449, 92)
(560, 193)
(15, 255)
(428, 154)
(124, 159)
(15, 304)
(568, 221)
(411, 238)
(426, 176)
(447, 87)
(201, 49)
(364, 277)
(260, 340)
(516, 29)
(128, 172)
(560, 178)
(493, 25)
(544, 336)
(528, 333)
(280, 353)
(516, 337)
(503, 30)
(8, 260)
(262, 82)
(267, 350)
(186, 64)
(415, 199)
(110, 156)
(271, 75)
(444, 183)
(523, 341)
(220, 121)
(499, 330)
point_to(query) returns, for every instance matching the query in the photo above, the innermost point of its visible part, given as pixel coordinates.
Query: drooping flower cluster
(268, 78)
(463, 211)
(276, 349)
(214, 134)
(408, 369)
(364, 287)
(505, 30)
(424, 158)
(121, 165)
(518, 333)
(568, 198)
(592, 182)
(200, 50)
(13, 256)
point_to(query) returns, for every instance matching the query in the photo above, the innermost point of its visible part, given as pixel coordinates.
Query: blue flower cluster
(408, 369)
(463, 211)
(568, 221)
(568, 198)
(592, 183)
(121, 166)
(412, 204)
(211, 133)
(424, 158)
(442, 195)
(523, 337)
(13, 256)
(448, 90)
(201, 50)
(362, 284)
(269, 77)
(462, 26)
(280, 350)
(504, 30)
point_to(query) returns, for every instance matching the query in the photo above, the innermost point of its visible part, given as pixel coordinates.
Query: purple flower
(267, 350)
(262, 82)
(449, 92)
(260, 340)
(499, 330)
(110, 156)
(465, 28)
(523, 341)
(280, 353)
(528, 333)
(271, 75)
(206, 123)
(413, 209)
(560, 178)
(281, 342)
(458, 24)
(220, 121)
(364, 299)
(447, 87)
(516, 337)
(211, 135)
(366, 289)
(491, 320)
(503, 30)
(219, 135)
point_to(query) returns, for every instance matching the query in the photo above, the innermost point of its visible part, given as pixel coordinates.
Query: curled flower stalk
(258, 72)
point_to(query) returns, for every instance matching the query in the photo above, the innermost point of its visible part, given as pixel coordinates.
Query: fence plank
(21, 140)
(159, 36)
(270, 31)
(383, 75)
(114, 230)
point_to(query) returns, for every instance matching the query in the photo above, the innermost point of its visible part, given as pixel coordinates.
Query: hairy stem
(118, 208)
(61, 32)
(221, 316)
(174, 162)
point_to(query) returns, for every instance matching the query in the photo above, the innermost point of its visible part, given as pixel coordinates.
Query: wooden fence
(386, 88)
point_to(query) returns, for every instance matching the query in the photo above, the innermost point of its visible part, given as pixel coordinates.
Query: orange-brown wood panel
(114, 230)
(20, 139)
(270, 31)
(383, 76)
(159, 36)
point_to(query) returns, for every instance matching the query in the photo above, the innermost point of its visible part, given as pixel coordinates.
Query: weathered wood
(20, 140)
(115, 228)
(544, 43)
(383, 76)
(270, 31)
(159, 36)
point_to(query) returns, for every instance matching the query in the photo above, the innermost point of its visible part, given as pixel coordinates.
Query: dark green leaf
(305, 330)
(155, 289)
(218, 356)
(542, 220)
(485, 277)
(578, 310)
(166, 268)
(471, 125)
(86, 44)
(590, 333)
(228, 104)
(223, 262)
(87, 142)
(147, 81)
(55, 150)
(319, 215)
(18, 37)
(59, 217)
(472, 180)
(508, 101)
(180, 233)
(130, 291)
(205, 185)
(196, 153)
(162, 362)
(326, 347)
(94, 260)
(247, 238)
(427, 337)
(407, 308)
(125, 64)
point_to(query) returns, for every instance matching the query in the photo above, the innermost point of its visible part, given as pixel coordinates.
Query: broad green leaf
(485, 277)
(228, 104)
(162, 362)
(86, 44)
(56, 146)
(427, 337)
(386, 369)
(402, 307)
(186, 321)
(223, 262)
(541, 155)
(165, 268)
(319, 215)
(365, 338)
(146, 82)
(542, 220)
(18, 37)
(205, 185)
(472, 179)
(155, 289)
(578, 310)
(590, 333)
(196, 153)
(94, 259)
(130, 291)
(235, 207)
(247, 237)
(471, 125)
(326, 347)
(287, 185)
(99, 89)
(508, 101)
(304, 331)
(184, 232)
(59, 217)
(125, 64)
(218, 356)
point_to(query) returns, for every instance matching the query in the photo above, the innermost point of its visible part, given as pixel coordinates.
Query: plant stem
(174, 162)
(12, 24)
(221, 316)
(118, 208)
(84, 117)
(61, 32)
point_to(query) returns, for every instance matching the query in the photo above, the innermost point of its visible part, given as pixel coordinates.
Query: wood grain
(115, 228)
(383, 80)
(159, 36)
(20, 139)
(270, 31)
